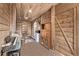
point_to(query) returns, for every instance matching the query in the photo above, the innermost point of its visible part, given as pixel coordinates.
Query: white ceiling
(37, 10)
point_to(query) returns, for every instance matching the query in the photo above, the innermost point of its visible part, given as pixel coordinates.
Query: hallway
(32, 48)
(39, 29)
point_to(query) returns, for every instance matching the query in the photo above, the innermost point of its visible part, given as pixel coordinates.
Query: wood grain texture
(66, 20)
(24, 27)
(46, 32)
(4, 22)
(77, 30)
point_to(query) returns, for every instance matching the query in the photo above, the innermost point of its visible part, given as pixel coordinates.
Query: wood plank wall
(46, 31)
(77, 28)
(4, 22)
(24, 27)
(65, 14)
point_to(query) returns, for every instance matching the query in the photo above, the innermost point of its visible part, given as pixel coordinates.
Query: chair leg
(2, 52)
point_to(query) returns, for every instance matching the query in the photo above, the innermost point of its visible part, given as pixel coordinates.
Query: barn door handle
(66, 39)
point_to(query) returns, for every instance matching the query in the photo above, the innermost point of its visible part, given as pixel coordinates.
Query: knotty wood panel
(62, 7)
(4, 11)
(4, 22)
(77, 25)
(46, 17)
(24, 27)
(46, 31)
(65, 15)
(4, 27)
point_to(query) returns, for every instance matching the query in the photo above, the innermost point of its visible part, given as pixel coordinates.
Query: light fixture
(30, 11)
(23, 25)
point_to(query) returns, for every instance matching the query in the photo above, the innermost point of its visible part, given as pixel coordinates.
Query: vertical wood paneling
(77, 30)
(53, 27)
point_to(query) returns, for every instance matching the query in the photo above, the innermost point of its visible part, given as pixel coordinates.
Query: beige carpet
(34, 49)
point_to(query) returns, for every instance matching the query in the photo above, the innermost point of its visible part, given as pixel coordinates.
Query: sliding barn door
(46, 30)
(64, 28)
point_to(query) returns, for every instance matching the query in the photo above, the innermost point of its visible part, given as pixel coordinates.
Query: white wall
(36, 36)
